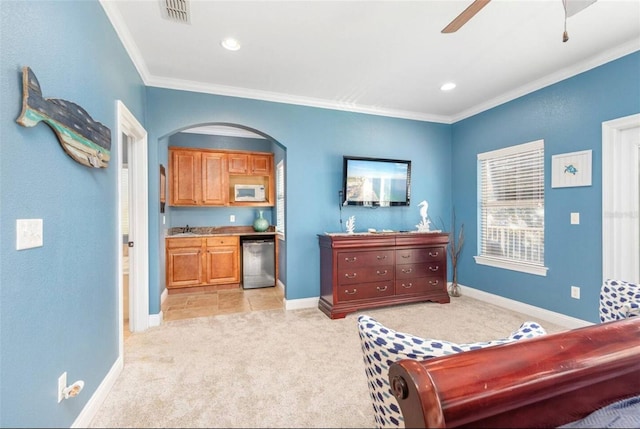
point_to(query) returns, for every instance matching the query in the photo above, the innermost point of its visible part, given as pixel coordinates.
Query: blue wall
(58, 303)
(315, 141)
(568, 116)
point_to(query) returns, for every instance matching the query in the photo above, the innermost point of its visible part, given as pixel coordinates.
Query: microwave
(249, 193)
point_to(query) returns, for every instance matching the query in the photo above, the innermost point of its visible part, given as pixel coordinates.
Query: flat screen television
(377, 182)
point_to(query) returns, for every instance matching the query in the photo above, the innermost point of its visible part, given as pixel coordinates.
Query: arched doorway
(225, 137)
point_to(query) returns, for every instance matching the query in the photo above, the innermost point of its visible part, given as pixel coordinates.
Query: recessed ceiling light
(448, 86)
(230, 43)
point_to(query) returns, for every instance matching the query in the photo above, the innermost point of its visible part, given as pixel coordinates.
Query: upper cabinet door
(185, 178)
(261, 164)
(214, 179)
(238, 163)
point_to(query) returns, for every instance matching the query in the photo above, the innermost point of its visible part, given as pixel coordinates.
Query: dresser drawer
(365, 291)
(348, 260)
(424, 269)
(419, 285)
(365, 274)
(425, 254)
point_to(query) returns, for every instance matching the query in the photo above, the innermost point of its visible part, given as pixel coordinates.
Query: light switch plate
(28, 233)
(575, 218)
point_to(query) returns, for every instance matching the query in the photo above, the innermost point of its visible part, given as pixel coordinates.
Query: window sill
(509, 265)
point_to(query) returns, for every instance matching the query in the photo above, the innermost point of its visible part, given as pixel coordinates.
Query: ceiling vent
(176, 10)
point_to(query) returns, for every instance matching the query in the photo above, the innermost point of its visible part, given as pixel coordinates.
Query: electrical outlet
(232, 218)
(62, 384)
(575, 218)
(575, 292)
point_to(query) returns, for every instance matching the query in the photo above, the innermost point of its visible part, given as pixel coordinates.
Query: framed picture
(571, 169)
(163, 188)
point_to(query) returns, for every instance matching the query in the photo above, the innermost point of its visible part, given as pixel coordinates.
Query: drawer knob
(350, 276)
(381, 289)
(434, 254)
(350, 259)
(432, 268)
(381, 273)
(407, 286)
(381, 257)
(407, 270)
(353, 292)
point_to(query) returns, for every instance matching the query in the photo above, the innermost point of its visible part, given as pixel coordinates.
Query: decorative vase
(454, 290)
(260, 224)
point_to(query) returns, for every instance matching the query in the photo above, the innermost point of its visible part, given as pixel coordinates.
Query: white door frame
(620, 199)
(138, 222)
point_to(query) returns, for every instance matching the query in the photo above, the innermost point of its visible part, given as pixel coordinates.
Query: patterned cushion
(619, 300)
(382, 346)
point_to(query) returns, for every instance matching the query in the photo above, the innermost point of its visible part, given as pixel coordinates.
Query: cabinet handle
(350, 259)
(407, 270)
(433, 282)
(407, 286)
(407, 256)
(381, 289)
(383, 273)
(433, 255)
(431, 268)
(381, 257)
(350, 276)
(350, 293)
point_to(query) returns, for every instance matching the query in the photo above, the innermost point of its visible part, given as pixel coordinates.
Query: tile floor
(201, 304)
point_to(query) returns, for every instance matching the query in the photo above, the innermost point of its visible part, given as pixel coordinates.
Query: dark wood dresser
(360, 271)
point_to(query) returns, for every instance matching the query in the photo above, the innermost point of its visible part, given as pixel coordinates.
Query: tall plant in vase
(455, 248)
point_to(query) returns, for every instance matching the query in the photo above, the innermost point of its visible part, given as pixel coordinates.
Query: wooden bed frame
(546, 381)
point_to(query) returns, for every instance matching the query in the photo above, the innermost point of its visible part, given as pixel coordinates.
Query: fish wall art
(83, 139)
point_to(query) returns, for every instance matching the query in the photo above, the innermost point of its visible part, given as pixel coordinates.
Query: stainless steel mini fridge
(258, 263)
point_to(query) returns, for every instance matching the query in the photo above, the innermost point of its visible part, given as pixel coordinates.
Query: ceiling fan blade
(465, 16)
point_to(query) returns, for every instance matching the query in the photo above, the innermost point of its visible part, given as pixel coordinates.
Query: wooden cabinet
(202, 261)
(214, 179)
(363, 271)
(252, 163)
(204, 177)
(197, 178)
(222, 257)
(184, 262)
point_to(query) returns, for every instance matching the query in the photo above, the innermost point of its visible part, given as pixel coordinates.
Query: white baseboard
(156, 319)
(520, 307)
(95, 402)
(299, 304)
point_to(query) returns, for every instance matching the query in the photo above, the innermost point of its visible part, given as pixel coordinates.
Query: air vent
(176, 10)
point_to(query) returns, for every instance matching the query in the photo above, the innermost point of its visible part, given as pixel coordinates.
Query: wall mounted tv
(375, 182)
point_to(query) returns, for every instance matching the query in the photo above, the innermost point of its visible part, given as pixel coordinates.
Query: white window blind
(280, 198)
(511, 199)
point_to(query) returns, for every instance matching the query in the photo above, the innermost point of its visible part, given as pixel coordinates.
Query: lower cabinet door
(223, 265)
(184, 267)
(349, 292)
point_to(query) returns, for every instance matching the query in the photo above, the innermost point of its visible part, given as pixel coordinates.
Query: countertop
(204, 231)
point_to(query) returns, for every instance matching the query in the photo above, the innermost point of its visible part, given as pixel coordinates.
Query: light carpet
(275, 368)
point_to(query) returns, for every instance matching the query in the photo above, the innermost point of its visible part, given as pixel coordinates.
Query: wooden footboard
(546, 381)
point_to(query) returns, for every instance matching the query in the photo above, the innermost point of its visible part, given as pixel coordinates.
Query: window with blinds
(280, 198)
(511, 208)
